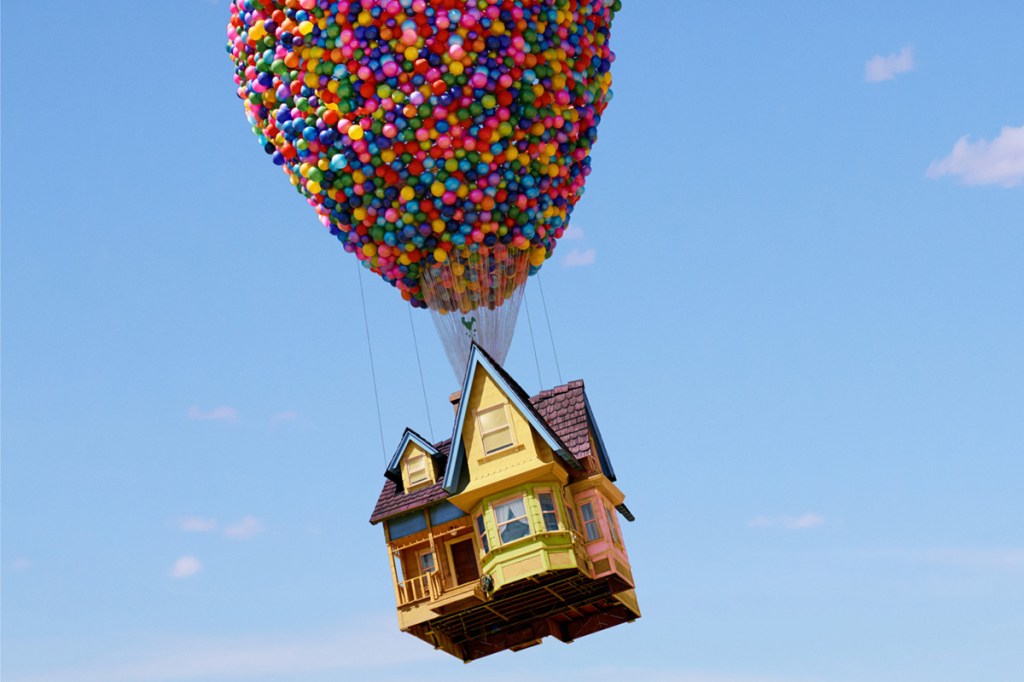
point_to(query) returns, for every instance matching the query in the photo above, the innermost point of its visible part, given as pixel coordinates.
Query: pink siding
(603, 548)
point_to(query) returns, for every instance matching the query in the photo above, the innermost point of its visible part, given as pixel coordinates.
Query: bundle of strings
(476, 296)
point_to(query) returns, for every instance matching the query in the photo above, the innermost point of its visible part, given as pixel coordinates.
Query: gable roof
(567, 409)
(409, 436)
(564, 410)
(393, 501)
(480, 360)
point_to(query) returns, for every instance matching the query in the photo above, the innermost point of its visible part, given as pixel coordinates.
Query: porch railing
(426, 586)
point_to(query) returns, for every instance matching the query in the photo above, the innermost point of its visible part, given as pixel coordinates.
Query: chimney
(454, 399)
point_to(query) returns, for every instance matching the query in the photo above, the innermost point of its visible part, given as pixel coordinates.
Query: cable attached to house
(533, 342)
(373, 371)
(551, 336)
(423, 384)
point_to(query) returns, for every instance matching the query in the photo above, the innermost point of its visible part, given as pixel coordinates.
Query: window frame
(421, 459)
(420, 555)
(613, 529)
(484, 433)
(525, 518)
(481, 528)
(553, 512)
(595, 520)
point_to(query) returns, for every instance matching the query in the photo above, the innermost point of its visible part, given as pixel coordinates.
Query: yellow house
(507, 532)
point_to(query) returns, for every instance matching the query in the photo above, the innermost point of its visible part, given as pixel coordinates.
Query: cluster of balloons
(423, 131)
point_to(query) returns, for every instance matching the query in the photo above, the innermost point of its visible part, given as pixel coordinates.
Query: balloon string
(373, 371)
(551, 336)
(536, 358)
(423, 384)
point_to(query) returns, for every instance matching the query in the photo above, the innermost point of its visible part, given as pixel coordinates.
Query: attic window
(495, 428)
(416, 469)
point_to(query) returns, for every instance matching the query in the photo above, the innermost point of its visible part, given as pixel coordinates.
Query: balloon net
(476, 297)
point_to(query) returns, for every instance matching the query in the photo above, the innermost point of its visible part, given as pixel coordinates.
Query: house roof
(409, 436)
(478, 358)
(563, 408)
(394, 501)
(563, 412)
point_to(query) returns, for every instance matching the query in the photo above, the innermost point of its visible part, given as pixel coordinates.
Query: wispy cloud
(802, 522)
(197, 524)
(246, 528)
(358, 646)
(573, 233)
(221, 413)
(886, 67)
(284, 417)
(996, 162)
(186, 567)
(21, 564)
(579, 258)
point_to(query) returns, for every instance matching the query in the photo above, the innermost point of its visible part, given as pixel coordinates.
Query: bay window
(547, 510)
(511, 520)
(591, 527)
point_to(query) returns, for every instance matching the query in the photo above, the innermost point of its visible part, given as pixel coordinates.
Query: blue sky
(794, 289)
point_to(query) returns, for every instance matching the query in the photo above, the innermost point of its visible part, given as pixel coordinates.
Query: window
(590, 525)
(495, 429)
(511, 519)
(547, 510)
(572, 518)
(426, 562)
(416, 469)
(612, 527)
(482, 529)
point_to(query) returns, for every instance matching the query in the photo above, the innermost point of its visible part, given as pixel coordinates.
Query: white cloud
(22, 564)
(802, 522)
(996, 162)
(197, 524)
(578, 258)
(885, 68)
(221, 413)
(246, 528)
(573, 233)
(186, 567)
(282, 417)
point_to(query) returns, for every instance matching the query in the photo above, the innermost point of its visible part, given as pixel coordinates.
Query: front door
(464, 561)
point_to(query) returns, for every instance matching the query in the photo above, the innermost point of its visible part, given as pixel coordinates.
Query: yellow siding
(410, 450)
(527, 460)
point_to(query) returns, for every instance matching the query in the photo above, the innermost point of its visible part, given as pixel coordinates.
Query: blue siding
(404, 526)
(445, 511)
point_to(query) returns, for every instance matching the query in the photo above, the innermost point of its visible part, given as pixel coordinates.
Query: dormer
(414, 465)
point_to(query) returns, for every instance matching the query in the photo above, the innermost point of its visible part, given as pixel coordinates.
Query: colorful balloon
(431, 136)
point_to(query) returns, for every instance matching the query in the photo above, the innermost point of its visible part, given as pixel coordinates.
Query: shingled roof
(563, 408)
(394, 501)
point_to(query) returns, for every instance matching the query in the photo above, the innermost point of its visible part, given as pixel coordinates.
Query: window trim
(589, 504)
(509, 426)
(525, 518)
(481, 531)
(421, 459)
(419, 561)
(553, 512)
(613, 529)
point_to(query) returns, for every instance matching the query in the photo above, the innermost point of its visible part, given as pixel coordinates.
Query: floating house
(509, 531)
